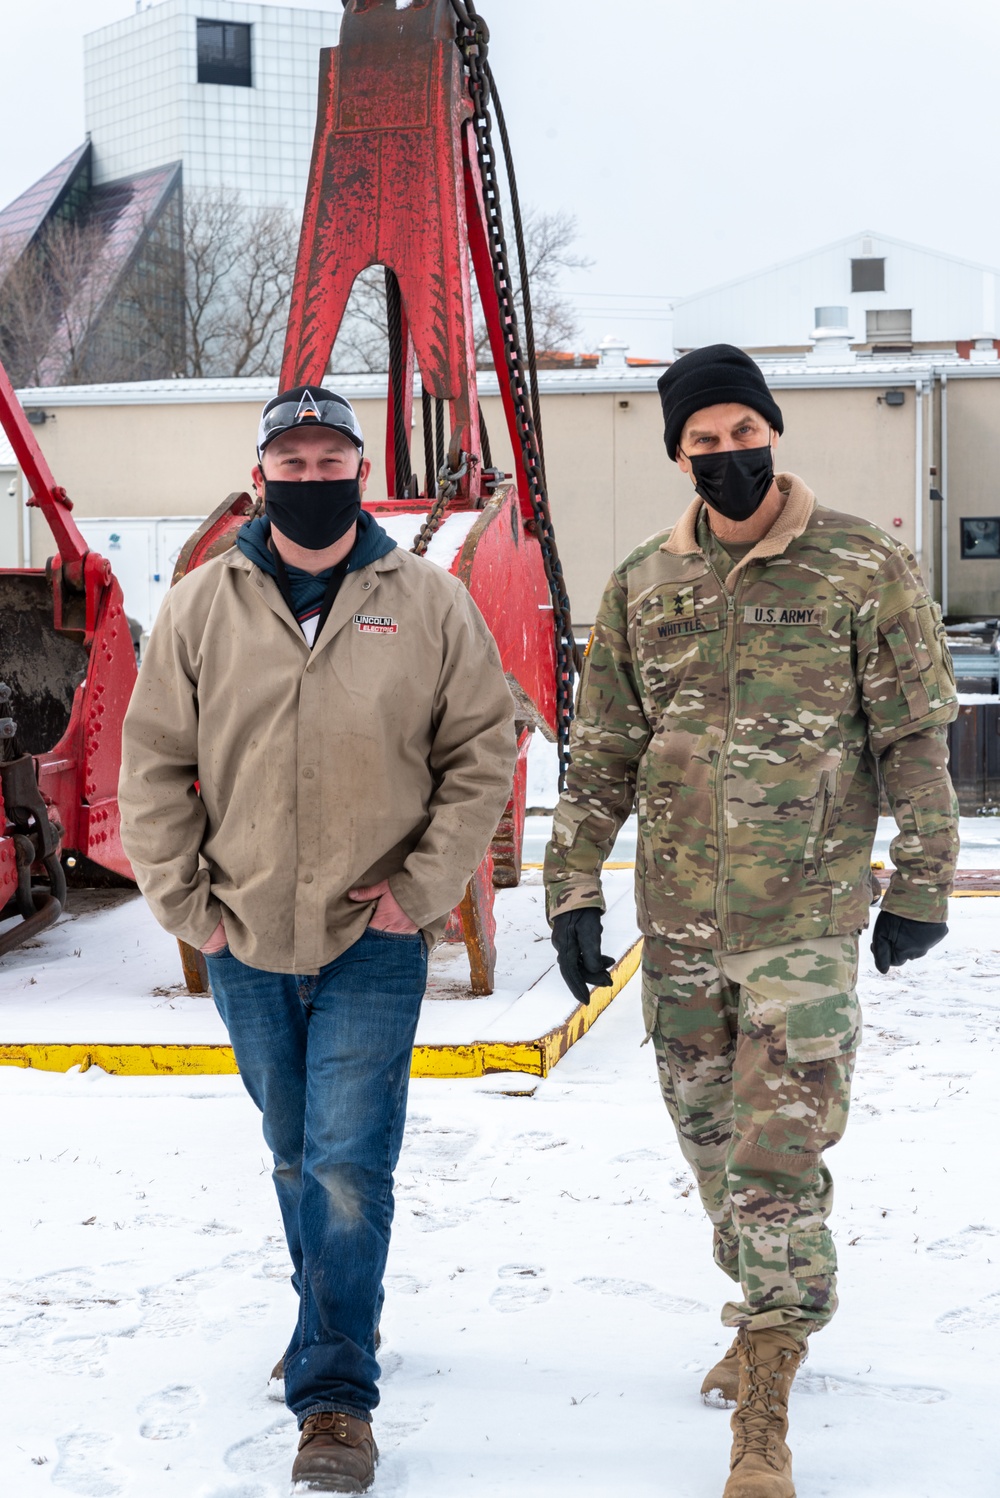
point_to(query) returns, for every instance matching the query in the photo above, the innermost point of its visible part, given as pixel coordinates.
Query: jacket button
(307, 879)
(308, 773)
(311, 666)
(366, 586)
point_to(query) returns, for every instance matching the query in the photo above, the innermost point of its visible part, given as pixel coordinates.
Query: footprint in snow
(811, 1382)
(168, 1310)
(972, 1318)
(522, 1289)
(85, 1466)
(76, 1355)
(430, 1218)
(959, 1244)
(396, 1425)
(636, 1157)
(537, 1139)
(404, 1284)
(636, 1290)
(435, 1150)
(257, 1453)
(164, 1413)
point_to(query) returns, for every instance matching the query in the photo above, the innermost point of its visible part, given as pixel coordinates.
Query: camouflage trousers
(755, 1052)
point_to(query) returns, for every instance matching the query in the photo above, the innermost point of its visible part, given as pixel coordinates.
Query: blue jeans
(327, 1061)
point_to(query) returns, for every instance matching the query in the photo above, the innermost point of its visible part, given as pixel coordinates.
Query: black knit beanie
(711, 376)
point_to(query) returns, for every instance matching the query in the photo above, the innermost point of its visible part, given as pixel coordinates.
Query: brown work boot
(721, 1385)
(337, 1454)
(761, 1463)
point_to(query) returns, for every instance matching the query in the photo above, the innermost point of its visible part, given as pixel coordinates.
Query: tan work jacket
(385, 751)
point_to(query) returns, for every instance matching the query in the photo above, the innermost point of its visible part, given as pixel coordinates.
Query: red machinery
(67, 669)
(404, 175)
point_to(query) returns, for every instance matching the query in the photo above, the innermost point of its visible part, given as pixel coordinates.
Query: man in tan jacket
(342, 707)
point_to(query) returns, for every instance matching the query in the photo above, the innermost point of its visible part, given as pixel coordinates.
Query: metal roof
(781, 373)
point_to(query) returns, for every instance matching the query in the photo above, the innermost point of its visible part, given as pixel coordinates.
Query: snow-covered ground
(551, 1300)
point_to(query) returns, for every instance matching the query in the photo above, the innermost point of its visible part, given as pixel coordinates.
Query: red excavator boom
(67, 669)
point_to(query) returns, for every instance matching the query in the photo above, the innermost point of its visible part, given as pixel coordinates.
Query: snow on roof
(782, 371)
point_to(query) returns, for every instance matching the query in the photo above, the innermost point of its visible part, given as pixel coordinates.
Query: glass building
(186, 94)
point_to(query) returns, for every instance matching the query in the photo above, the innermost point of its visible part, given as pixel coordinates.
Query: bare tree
(204, 295)
(50, 296)
(237, 268)
(549, 240)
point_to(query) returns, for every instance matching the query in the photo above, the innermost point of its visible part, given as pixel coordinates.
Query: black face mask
(735, 484)
(312, 512)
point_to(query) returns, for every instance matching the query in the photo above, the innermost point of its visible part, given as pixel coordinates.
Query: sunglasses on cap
(323, 411)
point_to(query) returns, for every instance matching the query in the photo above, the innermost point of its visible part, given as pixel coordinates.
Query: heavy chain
(473, 40)
(447, 488)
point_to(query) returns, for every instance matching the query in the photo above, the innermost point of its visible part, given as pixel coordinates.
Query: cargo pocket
(818, 1029)
(567, 821)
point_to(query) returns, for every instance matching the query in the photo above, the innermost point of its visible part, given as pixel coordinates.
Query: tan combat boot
(761, 1463)
(721, 1385)
(337, 1454)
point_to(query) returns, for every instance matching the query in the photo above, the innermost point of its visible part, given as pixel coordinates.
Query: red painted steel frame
(395, 181)
(78, 776)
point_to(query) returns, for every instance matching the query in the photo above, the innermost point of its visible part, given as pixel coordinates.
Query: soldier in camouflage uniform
(751, 676)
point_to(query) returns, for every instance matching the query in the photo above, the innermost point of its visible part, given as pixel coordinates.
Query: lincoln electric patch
(376, 624)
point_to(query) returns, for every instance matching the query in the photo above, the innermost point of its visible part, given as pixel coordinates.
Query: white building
(227, 89)
(869, 292)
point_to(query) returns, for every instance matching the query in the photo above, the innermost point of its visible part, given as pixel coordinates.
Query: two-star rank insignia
(680, 604)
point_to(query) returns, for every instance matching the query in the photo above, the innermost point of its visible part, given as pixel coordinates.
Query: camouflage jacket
(746, 714)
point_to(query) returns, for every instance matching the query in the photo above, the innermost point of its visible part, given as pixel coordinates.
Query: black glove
(896, 939)
(576, 936)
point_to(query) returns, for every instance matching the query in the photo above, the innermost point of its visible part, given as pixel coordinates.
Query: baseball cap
(306, 405)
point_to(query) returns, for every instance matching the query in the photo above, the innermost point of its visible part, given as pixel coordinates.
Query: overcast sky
(693, 141)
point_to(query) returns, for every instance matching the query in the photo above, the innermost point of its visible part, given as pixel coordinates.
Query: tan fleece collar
(791, 522)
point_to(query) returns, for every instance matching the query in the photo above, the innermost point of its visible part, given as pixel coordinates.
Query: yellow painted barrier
(139, 1060)
(478, 1059)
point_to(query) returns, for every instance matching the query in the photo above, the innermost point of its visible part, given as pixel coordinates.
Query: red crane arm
(47, 495)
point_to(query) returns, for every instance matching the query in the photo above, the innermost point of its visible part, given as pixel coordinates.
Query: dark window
(981, 538)
(224, 53)
(866, 275)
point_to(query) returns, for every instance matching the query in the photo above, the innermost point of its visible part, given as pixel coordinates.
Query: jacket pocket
(819, 825)
(567, 821)
(920, 655)
(819, 1029)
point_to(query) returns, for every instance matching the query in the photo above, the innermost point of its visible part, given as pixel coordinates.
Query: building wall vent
(831, 338)
(890, 327)
(831, 317)
(868, 274)
(612, 352)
